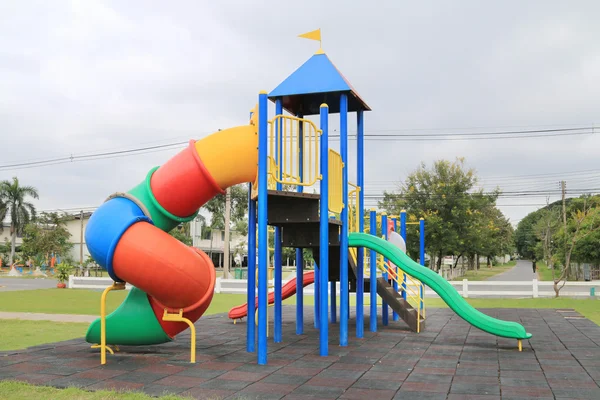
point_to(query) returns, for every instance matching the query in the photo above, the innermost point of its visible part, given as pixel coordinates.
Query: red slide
(287, 290)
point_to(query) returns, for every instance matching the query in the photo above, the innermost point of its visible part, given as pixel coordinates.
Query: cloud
(85, 76)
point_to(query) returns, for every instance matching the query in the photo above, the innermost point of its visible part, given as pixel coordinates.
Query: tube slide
(445, 290)
(287, 290)
(128, 237)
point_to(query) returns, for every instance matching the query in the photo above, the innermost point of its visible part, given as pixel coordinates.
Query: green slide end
(441, 286)
(133, 323)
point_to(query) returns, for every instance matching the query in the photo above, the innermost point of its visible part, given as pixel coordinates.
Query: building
(5, 235)
(212, 242)
(76, 227)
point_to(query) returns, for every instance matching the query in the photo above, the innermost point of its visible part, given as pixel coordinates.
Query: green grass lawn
(544, 273)
(19, 334)
(485, 272)
(23, 391)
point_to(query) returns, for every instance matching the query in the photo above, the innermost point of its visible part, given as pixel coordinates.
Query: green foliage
(460, 219)
(47, 234)
(239, 209)
(182, 233)
(62, 272)
(583, 233)
(13, 202)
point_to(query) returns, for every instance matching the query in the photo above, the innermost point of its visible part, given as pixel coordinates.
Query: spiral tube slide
(441, 286)
(128, 237)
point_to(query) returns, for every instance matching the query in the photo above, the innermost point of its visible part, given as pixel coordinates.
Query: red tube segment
(183, 184)
(175, 275)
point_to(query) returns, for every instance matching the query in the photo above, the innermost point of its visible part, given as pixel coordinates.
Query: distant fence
(466, 288)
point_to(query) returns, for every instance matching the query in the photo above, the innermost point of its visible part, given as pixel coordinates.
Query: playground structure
(174, 284)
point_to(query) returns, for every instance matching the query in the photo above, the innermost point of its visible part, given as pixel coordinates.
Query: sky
(90, 76)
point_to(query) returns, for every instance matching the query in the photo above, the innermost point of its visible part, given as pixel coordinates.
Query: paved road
(521, 272)
(9, 284)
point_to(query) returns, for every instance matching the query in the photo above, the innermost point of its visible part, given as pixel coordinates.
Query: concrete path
(521, 272)
(47, 317)
(9, 284)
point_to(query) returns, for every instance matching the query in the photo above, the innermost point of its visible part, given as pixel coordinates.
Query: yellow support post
(520, 345)
(180, 318)
(103, 346)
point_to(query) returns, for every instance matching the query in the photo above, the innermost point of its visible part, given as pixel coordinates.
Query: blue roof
(315, 82)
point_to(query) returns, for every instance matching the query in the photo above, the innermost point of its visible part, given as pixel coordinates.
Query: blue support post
(384, 305)
(316, 296)
(421, 256)
(344, 294)
(262, 227)
(373, 275)
(422, 241)
(360, 254)
(403, 234)
(395, 316)
(333, 305)
(299, 255)
(251, 290)
(324, 234)
(277, 248)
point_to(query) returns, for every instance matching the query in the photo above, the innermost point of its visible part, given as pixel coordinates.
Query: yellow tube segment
(231, 155)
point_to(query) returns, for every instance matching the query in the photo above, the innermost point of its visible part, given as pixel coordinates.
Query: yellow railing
(103, 346)
(413, 296)
(336, 167)
(415, 289)
(290, 167)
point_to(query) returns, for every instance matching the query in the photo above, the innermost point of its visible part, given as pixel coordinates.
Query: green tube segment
(162, 219)
(131, 324)
(441, 286)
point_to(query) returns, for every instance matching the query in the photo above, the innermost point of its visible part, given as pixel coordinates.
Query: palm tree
(13, 197)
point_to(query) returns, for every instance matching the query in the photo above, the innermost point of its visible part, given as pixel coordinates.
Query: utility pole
(81, 240)
(226, 264)
(563, 186)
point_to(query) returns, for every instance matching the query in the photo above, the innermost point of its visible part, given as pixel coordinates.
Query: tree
(14, 198)
(239, 209)
(443, 196)
(182, 233)
(583, 221)
(47, 234)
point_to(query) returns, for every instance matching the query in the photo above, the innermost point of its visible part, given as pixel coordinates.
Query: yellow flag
(313, 35)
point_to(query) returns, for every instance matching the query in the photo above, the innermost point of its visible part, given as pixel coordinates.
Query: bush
(62, 272)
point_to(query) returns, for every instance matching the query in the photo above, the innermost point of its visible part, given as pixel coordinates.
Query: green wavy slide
(445, 290)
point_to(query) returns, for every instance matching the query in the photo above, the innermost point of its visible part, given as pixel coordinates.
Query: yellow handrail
(103, 346)
(336, 167)
(284, 148)
(180, 318)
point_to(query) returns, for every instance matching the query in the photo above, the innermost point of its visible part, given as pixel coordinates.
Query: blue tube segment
(373, 276)
(324, 236)
(105, 228)
(251, 292)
